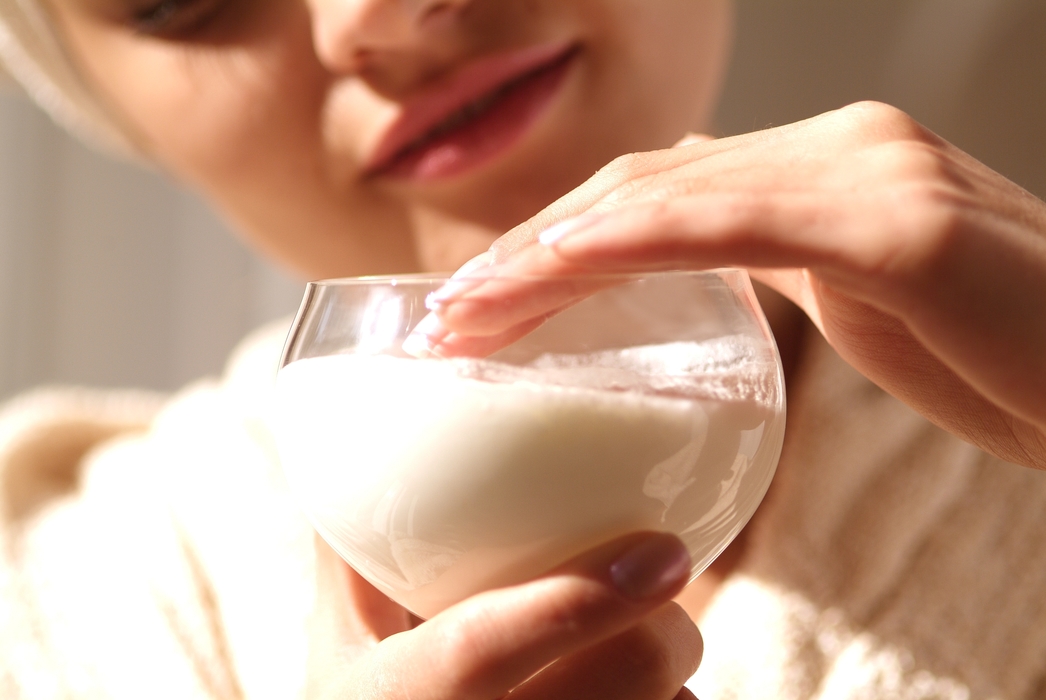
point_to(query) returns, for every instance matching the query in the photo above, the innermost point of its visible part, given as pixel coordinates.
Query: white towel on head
(33, 54)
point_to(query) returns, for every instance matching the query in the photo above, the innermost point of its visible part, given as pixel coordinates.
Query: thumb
(487, 645)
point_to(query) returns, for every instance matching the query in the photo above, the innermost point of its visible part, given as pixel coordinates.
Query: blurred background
(111, 275)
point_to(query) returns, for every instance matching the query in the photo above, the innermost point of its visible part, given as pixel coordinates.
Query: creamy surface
(439, 479)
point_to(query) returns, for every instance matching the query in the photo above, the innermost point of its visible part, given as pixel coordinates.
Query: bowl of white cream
(655, 403)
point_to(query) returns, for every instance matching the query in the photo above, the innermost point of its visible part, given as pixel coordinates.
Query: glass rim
(442, 277)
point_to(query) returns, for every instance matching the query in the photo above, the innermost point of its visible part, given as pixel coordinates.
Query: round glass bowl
(628, 403)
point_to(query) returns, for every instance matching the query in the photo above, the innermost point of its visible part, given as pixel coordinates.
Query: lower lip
(488, 135)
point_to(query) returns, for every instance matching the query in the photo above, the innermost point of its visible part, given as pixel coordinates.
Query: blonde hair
(33, 54)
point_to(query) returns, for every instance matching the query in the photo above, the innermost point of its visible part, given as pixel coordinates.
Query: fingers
(622, 172)
(701, 163)
(964, 289)
(432, 339)
(709, 230)
(650, 661)
(924, 313)
(695, 232)
(484, 647)
(497, 311)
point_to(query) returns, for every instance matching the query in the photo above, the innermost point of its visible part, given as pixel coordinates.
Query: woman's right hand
(923, 268)
(601, 626)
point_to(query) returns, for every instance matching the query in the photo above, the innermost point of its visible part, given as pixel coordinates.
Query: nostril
(362, 58)
(349, 35)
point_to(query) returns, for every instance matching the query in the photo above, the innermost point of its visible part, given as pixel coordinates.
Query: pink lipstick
(474, 115)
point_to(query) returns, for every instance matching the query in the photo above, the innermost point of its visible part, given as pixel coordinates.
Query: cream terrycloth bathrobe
(150, 550)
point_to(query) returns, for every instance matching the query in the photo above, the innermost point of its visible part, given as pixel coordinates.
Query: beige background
(111, 275)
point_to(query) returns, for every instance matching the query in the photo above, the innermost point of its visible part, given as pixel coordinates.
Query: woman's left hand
(922, 267)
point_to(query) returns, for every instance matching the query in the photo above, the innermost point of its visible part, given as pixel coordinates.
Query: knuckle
(932, 220)
(664, 651)
(917, 162)
(647, 177)
(474, 642)
(617, 178)
(929, 202)
(883, 122)
(650, 656)
(622, 168)
(583, 609)
(461, 651)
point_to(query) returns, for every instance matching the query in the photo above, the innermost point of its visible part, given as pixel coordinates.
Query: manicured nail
(554, 234)
(649, 570)
(423, 342)
(692, 139)
(451, 291)
(477, 263)
(468, 277)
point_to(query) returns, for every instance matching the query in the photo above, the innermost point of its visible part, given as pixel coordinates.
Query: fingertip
(557, 232)
(647, 568)
(479, 262)
(424, 341)
(451, 291)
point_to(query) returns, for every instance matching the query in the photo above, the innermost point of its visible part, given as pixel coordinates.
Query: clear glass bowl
(644, 403)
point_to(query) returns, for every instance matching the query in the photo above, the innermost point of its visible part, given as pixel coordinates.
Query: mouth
(472, 117)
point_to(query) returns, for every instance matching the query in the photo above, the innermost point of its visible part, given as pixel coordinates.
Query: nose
(346, 32)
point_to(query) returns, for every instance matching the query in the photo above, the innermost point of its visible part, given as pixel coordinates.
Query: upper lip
(429, 110)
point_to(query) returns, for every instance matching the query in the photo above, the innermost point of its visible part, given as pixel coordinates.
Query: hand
(600, 626)
(922, 267)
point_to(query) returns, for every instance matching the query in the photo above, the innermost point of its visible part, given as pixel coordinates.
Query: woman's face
(363, 136)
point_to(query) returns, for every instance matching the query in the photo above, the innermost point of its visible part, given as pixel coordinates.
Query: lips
(473, 116)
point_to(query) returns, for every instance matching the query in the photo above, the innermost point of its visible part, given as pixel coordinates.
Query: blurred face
(350, 137)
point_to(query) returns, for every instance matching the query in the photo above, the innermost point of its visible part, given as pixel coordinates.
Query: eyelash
(174, 18)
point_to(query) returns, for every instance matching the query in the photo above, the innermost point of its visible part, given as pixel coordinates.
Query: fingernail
(652, 568)
(480, 261)
(423, 342)
(468, 277)
(554, 234)
(692, 139)
(452, 290)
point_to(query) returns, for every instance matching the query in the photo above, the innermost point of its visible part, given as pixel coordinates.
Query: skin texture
(271, 108)
(571, 634)
(923, 268)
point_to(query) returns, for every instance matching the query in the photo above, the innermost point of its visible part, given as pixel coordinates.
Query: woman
(363, 136)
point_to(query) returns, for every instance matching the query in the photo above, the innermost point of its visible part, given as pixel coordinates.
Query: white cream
(436, 485)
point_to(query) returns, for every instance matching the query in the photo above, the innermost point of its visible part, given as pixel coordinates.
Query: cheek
(666, 60)
(212, 112)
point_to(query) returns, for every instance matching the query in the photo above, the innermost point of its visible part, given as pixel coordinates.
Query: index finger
(589, 196)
